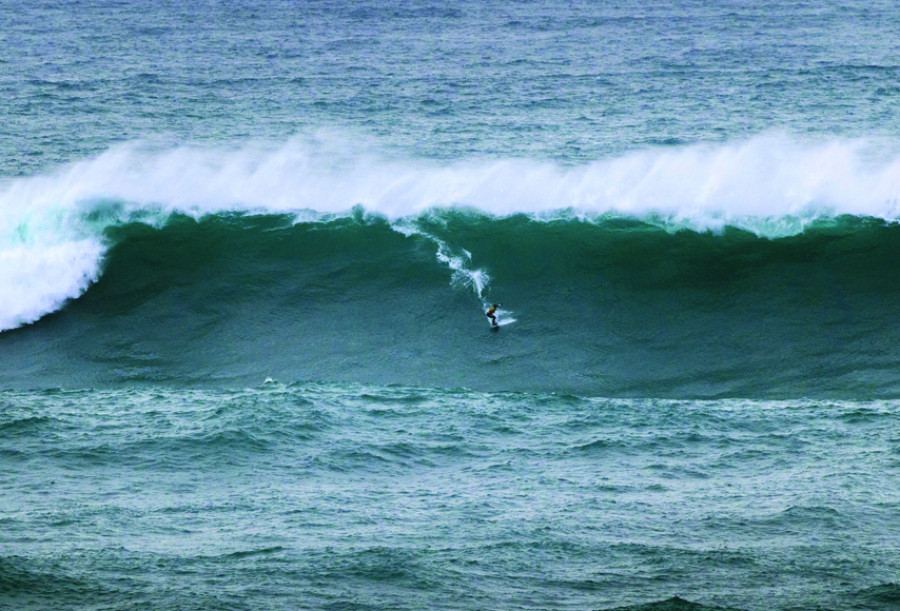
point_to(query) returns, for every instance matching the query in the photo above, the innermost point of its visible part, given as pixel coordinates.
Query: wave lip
(768, 176)
(38, 279)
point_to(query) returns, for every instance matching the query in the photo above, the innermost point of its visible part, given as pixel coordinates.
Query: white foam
(767, 176)
(38, 279)
(51, 234)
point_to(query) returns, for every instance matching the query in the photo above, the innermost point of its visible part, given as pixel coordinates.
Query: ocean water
(245, 253)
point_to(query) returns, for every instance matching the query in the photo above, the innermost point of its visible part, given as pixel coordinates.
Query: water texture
(245, 253)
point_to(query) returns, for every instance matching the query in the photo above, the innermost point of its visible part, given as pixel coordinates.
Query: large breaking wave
(762, 267)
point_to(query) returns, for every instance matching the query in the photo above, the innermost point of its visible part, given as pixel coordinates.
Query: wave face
(303, 262)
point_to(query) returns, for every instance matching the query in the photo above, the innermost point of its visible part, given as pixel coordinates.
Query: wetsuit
(490, 314)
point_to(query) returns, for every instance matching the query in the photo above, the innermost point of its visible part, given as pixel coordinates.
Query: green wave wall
(609, 307)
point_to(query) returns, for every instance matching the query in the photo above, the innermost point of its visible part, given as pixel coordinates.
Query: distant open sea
(246, 250)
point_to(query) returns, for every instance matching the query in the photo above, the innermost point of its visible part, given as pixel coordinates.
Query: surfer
(490, 314)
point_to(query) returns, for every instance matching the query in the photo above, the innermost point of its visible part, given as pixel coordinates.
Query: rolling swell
(612, 306)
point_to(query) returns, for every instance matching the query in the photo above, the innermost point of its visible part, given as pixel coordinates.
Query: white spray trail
(459, 262)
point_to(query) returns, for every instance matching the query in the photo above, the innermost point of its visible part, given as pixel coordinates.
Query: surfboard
(503, 319)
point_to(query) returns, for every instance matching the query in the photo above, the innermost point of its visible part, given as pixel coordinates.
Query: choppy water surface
(322, 496)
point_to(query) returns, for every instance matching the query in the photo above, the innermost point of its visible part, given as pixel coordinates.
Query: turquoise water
(323, 496)
(246, 249)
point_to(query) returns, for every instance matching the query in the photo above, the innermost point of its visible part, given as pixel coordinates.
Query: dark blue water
(245, 254)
